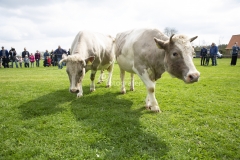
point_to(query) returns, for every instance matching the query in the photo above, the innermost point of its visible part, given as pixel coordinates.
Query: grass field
(40, 119)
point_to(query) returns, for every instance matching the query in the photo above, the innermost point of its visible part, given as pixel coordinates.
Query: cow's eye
(175, 54)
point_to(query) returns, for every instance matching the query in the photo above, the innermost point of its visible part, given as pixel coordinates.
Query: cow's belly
(126, 62)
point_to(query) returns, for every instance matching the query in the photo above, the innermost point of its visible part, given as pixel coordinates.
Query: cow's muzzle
(192, 77)
(74, 90)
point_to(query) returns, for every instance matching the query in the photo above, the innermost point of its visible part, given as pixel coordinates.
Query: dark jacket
(203, 52)
(59, 52)
(6, 52)
(24, 53)
(37, 56)
(213, 50)
(12, 54)
(235, 50)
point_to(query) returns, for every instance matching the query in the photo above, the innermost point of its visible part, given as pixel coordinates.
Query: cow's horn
(171, 41)
(193, 38)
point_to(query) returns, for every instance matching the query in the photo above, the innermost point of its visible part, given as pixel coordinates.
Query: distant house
(235, 38)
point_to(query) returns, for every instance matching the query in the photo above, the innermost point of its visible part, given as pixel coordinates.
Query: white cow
(89, 51)
(149, 53)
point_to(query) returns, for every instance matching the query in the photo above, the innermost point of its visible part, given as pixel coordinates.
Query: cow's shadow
(108, 115)
(118, 126)
(44, 105)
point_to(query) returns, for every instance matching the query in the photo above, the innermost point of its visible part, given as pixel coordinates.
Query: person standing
(58, 53)
(4, 55)
(203, 54)
(20, 60)
(37, 58)
(235, 50)
(24, 53)
(32, 60)
(46, 54)
(68, 53)
(213, 54)
(26, 61)
(12, 56)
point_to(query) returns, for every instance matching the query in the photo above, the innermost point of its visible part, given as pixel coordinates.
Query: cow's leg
(132, 82)
(80, 93)
(122, 75)
(92, 77)
(110, 70)
(100, 77)
(151, 102)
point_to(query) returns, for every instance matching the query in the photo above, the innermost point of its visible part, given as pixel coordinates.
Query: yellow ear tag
(89, 63)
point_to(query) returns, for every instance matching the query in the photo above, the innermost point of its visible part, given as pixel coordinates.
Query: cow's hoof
(108, 86)
(154, 109)
(123, 91)
(92, 90)
(79, 95)
(99, 82)
(131, 89)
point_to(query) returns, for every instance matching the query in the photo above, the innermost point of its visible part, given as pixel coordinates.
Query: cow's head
(178, 57)
(76, 70)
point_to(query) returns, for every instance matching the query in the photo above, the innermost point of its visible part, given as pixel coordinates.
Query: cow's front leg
(100, 77)
(122, 75)
(92, 77)
(151, 102)
(80, 93)
(132, 82)
(110, 70)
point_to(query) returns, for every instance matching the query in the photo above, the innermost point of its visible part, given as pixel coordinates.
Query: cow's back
(136, 51)
(94, 44)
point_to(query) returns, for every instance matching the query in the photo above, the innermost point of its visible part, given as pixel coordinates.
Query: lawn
(40, 119)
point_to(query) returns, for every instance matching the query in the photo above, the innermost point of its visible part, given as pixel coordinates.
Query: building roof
(235, 38)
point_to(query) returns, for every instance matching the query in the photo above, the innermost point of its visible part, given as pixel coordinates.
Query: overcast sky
(45, 24)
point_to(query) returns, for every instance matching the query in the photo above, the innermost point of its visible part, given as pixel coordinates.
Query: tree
(170, 31)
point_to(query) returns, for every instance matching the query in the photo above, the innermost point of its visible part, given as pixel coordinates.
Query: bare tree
(170, 31)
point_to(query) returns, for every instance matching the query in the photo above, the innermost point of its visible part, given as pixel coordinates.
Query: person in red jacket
(32, 59)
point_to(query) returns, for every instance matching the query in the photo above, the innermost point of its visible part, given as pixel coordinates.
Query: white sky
(45, 24)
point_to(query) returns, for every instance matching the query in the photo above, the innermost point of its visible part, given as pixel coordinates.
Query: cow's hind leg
(92, 77)
(122, 75)
(100, 77)
(110, 70)
(132, 82)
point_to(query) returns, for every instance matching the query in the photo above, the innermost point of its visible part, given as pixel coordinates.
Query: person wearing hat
(4, 55)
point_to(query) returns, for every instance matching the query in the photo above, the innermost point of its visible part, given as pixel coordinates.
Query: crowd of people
(10, 58)
(206, 54)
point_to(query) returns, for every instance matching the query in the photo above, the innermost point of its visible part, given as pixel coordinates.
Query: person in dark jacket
(24, 53)
(235, 50)
(213, 54)
(203, 55)
(37, 58)
(4, 55)
(13, 57)
(58, 53)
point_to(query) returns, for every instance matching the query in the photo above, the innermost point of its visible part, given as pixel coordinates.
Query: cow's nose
(74, 90)
(193, 77)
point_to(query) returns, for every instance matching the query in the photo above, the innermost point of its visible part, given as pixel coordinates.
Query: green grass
(40, 119)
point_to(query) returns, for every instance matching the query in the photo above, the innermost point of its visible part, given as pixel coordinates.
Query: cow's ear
(193, 38)
(89, 60)
(161, 44)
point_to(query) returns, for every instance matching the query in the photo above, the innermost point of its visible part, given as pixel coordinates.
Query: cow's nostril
(190, 77)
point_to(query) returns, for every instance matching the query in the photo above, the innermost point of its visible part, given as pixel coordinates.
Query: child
(207, 59)
(26, 61)
(49, 60)
(20, 60)
(32, 60)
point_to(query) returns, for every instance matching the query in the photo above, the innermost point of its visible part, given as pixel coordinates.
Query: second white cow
(89, 51)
